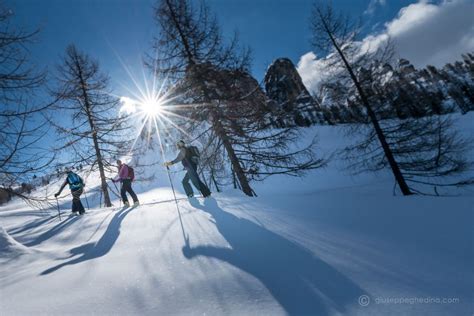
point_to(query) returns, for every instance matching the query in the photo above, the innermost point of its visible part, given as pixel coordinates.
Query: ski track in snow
(310, 246)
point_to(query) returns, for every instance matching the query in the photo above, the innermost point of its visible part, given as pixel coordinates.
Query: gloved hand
(56, 194)
(167, 164)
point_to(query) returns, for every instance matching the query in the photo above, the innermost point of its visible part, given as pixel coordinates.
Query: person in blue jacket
(76, 185)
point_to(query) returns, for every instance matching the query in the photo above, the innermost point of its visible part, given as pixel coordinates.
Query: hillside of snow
(325, 244)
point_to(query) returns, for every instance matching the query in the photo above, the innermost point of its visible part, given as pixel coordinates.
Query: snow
(304, 246)
(9, 247)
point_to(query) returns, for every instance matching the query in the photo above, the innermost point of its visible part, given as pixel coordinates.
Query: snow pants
(127, 187)
(192, 175)
(76, 201)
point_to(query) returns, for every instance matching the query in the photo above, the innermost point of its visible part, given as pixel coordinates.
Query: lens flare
(152, 104)
(151, 107)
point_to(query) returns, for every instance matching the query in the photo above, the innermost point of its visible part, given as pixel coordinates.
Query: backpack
(194, 154)
(131, 173)
(75, 182)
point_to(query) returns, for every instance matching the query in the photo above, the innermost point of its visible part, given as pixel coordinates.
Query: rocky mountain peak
(285, 88)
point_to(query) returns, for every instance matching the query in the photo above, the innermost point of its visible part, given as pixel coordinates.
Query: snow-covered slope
(9, 247)
(326, 244)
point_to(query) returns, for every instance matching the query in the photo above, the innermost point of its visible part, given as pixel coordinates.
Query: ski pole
(186, 240)
(87, 202)
(112, 190)
(117, 191)
(59, 212)
(172, 187)
(177, 206)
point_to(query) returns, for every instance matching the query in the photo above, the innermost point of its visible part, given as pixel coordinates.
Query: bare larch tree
(94, 134)
(212, 78)
(21, 126)
(429, 150)
(334, 33)
(423, 149)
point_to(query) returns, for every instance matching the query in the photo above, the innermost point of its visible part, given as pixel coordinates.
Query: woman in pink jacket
(126, 179)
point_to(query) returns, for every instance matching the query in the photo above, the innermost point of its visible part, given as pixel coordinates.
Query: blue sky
(110, 30)
(119, 32)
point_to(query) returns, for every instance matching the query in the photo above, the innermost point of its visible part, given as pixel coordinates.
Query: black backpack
(194, 154)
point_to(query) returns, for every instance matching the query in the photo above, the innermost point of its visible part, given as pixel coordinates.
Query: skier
(126, 176)
(189, 157)
(76, 185)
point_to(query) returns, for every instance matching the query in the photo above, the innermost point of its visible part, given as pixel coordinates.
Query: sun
(151, 107)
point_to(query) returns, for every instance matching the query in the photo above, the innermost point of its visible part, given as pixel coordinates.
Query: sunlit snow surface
(310, 246)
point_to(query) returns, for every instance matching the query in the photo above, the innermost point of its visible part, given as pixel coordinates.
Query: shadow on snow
(299, 281)
(91, 251)
(53, 231)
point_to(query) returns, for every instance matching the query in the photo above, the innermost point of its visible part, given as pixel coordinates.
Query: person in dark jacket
(76, 185)
(124, 177)
(190, 164)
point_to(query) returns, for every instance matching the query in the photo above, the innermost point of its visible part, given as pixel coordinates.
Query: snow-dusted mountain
(398, 90)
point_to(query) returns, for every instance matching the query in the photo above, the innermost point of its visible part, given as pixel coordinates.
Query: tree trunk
(215, 183)
(234, 180)
(378, 130)
(244, 183)
(218, 128)
(221, 133)
(184, 40)
(98, 154)
(100, 164)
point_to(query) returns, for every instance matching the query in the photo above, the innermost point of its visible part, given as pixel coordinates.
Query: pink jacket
(123, 173)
